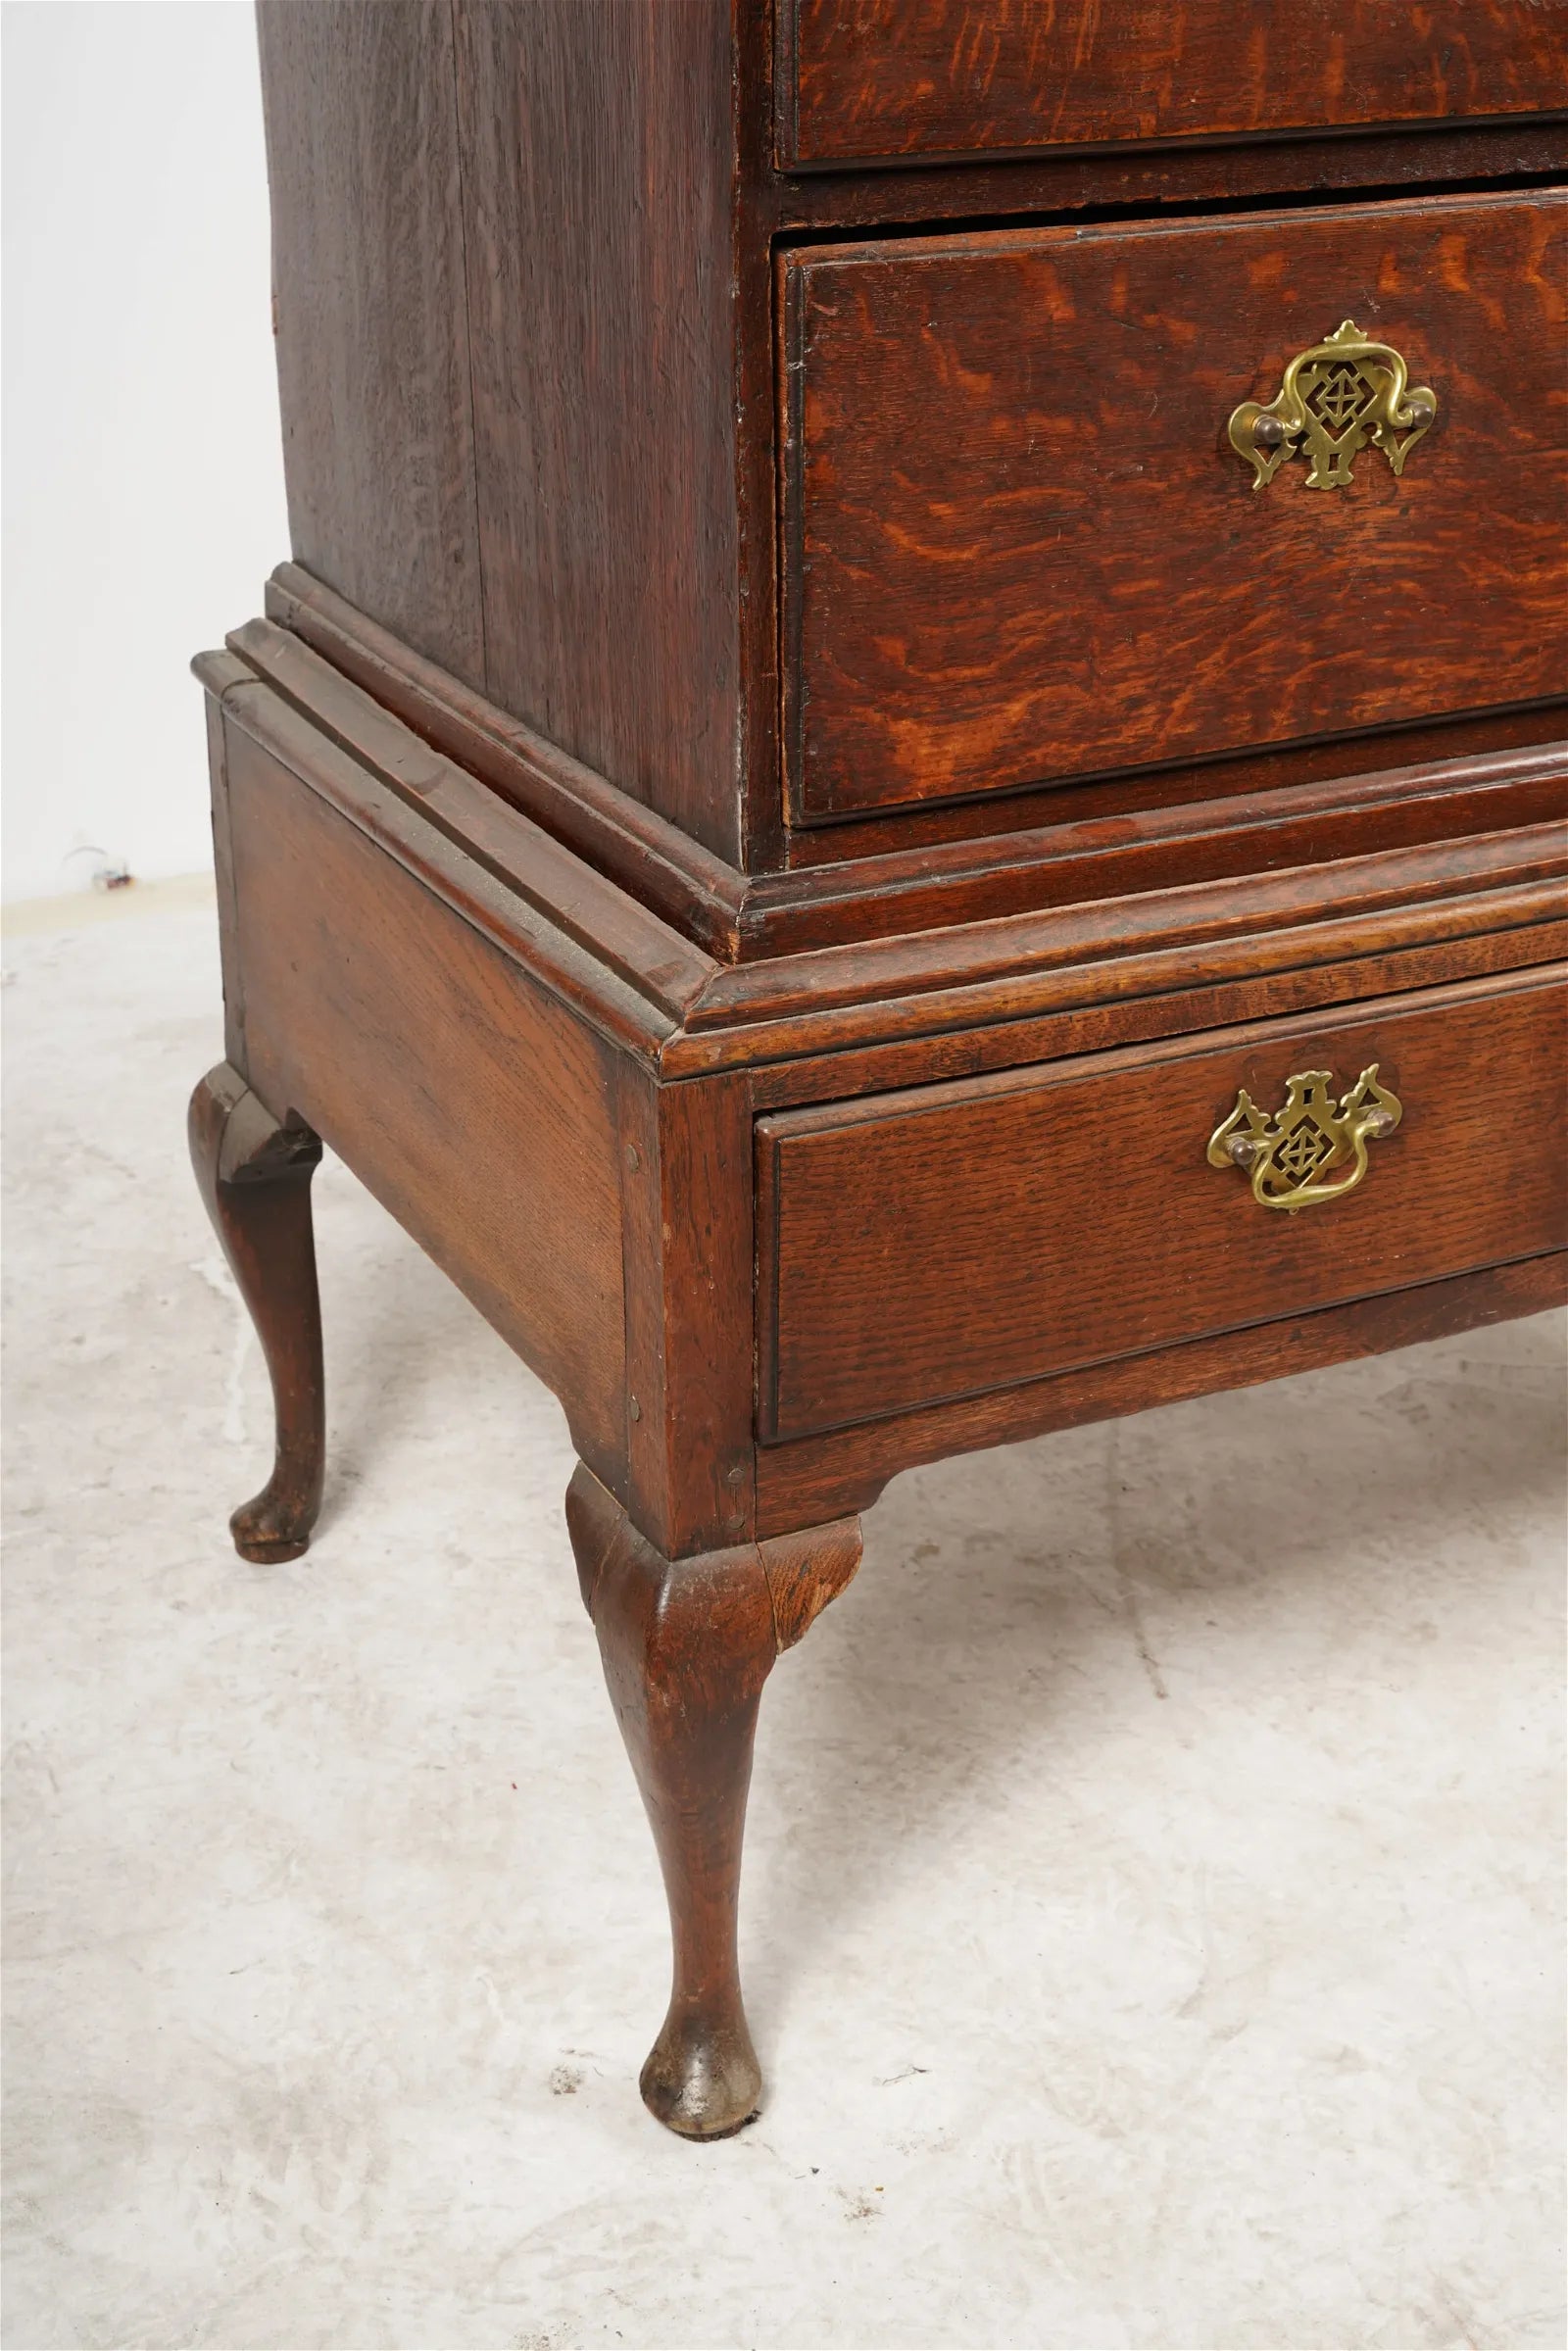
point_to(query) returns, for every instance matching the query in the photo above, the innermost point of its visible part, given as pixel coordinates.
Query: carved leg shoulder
(255, 1177)
(687, 1646)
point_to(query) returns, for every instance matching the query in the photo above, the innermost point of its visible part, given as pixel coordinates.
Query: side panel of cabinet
(504, 260)
(474, 1105)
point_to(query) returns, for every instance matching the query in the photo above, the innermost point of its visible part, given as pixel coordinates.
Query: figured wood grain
(874, 79)
(1017, 546)
(1249, 778)
(1179, 824)
(1152, 178)
(923, 1248)
(476, 1105)
(370, 312)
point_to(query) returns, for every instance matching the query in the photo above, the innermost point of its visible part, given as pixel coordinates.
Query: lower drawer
(920, 1247)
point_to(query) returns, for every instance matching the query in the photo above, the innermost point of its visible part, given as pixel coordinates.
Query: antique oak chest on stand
(906, 787)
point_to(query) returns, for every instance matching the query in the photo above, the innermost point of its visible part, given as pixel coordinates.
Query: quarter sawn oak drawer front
(868, 80)
(1019, 545)
(959, 1238)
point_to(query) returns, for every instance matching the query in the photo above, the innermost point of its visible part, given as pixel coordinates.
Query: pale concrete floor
(1152, 1922)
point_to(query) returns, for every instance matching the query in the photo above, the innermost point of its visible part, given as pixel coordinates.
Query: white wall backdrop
(143, 492)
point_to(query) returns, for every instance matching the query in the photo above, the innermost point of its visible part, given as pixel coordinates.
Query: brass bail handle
(1311, 1150)
(1333, 400)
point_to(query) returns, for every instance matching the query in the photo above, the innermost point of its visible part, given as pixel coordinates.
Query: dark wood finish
(685, 883)
(924, 1247)
(1175, 840)
(631, 1010)
(253, 1174)
(1001, 971)
(1154, 177)
(848, 1469)
(1307, 970)
(1302, 803)
(422, 999)
(618, 929)
(687, 1646)
(473, 1101)
(871, 80)
(523, 256)
(1241, 788)
(687, 1247)
(1041, 416)
(791, 1153)
(369, 309)
(501, 243)
(603, 360)
(1480, 884)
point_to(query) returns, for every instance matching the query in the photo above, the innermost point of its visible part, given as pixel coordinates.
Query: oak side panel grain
(224, 878)
(617, 928)
(962, 1238)
(672, 874)
(1018, 547)
(480, 1111)
(370, 312)
(874, 79)
(598, 152)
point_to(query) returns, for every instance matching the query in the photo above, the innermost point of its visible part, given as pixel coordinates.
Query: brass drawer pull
(1332, 401)
(1292, 1157)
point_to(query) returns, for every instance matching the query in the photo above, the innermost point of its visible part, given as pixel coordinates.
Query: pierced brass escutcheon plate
(1333, 400)
(1312, 1150)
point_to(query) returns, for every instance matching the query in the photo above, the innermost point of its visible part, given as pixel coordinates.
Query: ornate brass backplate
(1333, 400)
(1312, 1150)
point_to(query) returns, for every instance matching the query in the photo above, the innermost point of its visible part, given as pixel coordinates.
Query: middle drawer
(1019, 545)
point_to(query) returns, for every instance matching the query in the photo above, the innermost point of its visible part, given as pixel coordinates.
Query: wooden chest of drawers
(907, 784)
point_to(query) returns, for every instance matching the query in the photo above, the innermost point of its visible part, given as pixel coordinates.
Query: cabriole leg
(687, 1644)
(255, 1177)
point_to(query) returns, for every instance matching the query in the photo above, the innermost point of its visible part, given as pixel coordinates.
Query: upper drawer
(873, 80)
(1019, 545)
